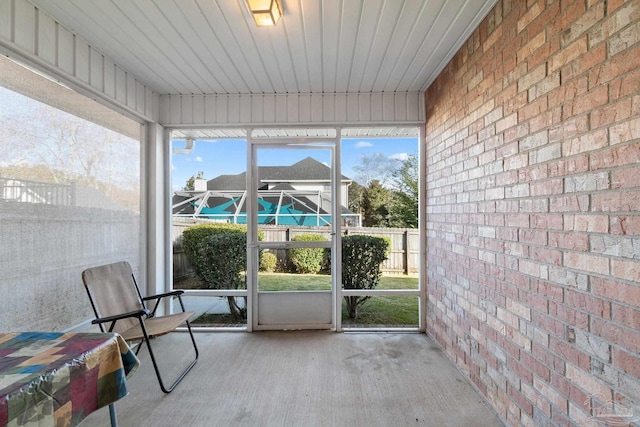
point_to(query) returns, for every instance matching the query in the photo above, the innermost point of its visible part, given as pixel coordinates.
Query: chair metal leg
(155, 365)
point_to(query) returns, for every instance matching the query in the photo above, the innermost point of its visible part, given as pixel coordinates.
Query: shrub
(361, 260)
(307, 260)
(222, 259)
(193, 236)
(218, 253)
(268, 262)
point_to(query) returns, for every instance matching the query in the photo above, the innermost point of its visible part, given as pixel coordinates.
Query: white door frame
(319, 307)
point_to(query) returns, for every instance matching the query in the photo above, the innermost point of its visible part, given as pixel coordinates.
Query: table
(57, 379)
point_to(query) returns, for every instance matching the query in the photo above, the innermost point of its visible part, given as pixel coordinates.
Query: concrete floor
(302, 379)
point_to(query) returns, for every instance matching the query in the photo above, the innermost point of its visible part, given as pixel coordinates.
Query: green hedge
(193, 238)
(268, 262)
(218, 253)
(362, 257)
(307, 260)
(220, 259)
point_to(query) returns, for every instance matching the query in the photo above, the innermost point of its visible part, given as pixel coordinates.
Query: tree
(386, 194)
(375, 205)
(356, 194)
(57, 147)
(190, 185)
(404, 207)
(191, 182)
(374, 167)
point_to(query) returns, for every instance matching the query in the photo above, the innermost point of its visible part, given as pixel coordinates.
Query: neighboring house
(299, 194)
(307, 174)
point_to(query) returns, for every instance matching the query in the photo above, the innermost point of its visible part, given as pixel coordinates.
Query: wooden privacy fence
(403, 257)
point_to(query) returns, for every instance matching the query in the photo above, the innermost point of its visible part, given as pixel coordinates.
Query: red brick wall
(533, 200)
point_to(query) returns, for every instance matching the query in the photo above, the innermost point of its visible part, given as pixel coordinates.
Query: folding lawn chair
(118, 303)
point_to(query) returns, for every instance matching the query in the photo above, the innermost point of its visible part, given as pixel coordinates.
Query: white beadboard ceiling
(185, 47)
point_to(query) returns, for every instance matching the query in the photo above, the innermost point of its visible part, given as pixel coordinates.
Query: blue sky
(223, 157)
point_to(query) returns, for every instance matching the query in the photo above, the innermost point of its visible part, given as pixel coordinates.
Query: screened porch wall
(46, 247)
(35, 39)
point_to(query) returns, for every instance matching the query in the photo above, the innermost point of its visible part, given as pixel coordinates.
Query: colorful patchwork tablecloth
(57, 379)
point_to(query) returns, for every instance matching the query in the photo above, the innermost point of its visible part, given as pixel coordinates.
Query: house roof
(228, 182)
(307, 169)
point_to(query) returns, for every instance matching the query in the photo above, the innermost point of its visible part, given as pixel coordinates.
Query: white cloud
(399, 156)
(363, 144)
(198, 159)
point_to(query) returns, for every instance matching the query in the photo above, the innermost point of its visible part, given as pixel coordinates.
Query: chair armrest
(177, 293)
(166, 294)
(137, 313)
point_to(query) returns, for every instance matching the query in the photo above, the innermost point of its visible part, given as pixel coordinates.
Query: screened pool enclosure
(275, 207)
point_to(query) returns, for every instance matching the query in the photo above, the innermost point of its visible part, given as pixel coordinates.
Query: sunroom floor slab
(302, 379)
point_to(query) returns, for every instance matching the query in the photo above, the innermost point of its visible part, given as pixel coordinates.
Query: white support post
(336, 229)
(252, 233)
(158, 227)
(422, 224)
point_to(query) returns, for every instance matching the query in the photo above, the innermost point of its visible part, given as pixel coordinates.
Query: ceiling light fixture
(265, 12)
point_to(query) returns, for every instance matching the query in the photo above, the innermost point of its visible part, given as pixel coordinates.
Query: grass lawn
(320, 282)
(384, 311)
(293, 282)
(390, 311)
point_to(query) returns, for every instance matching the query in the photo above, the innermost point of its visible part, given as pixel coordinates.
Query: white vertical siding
(6, 18)
(220, 112)
(269, 109)
(199, 109)
(96, 75)
(121, 86)
(28, 34)
(82, 60)
(47, 36)
(340, 105)
(362, 109)
(293, 110)
(66, 50)
(245, 106)
(109, 70)
(131, 91)
(388, 107)
(304, 109)
(24, 30)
